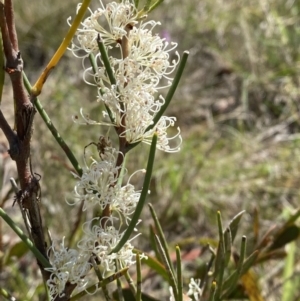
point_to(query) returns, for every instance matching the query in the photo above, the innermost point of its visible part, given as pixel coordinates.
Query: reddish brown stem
(19, 140)
(10, 21)
(8, 132)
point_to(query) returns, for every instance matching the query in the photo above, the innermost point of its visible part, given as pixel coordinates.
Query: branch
(10, 21)
(29, 196)
(8, 50)
(8, 132)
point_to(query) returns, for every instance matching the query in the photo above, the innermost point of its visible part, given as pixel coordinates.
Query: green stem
(237, 274)
(139, 278)
(161, 236)
(130, 283)
(106, 62)
(179, 274)
(142, 199)
(220, 259)
(25, 239)
(172, 90)
(37, 88)
(99, 276)
(213, 292)
(95, 69)
(101, 284)
(156, 4)
(52, 128)
(119, 290)
(171, 274)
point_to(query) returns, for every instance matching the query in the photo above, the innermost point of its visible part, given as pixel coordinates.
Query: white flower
(96, 185)
(101, 240)
(67, 265)
(116, 15)
(56, 285)
(163, 140)
(151, 51)
(80, 270)
(136, 122)
(132, 100)
(125, 200)
(172, 298)
(194, 289)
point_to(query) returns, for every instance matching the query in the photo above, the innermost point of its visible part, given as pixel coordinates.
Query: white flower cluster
(194, 290)
(139, 61)
(68, 265)
(98, 188)
(138, 68)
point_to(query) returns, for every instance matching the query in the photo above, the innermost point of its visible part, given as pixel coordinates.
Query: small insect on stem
(101, 145)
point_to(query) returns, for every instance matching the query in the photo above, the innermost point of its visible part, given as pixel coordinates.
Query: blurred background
(238, 110)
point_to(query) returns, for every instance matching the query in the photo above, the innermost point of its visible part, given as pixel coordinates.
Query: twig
(8, 10)
(28, 197)
(8, 132)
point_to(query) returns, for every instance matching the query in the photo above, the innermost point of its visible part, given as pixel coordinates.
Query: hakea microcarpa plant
(128, 65)
(139, 60)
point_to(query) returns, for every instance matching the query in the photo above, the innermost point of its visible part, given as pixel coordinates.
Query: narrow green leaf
(242, 255)
(153, 244)
(179, 274)
(53, 129)
(25, 239)
(105, 60)
(172, 279)
(104, 282)
(120, 290)
(154, 264)
(237, 273)
(100, 278)
(162, 238)
(248, 263)
(95, 70)
(255, 225)
(208, 268)
(172, 89)
(138, 278)
(228, 245)
(155, 5)
(130, 283)
(220, 258)
(233, 225)
(142, 200)
(221, 234)
(212, 292)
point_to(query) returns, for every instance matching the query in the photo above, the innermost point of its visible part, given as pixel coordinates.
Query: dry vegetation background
(238, 110)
